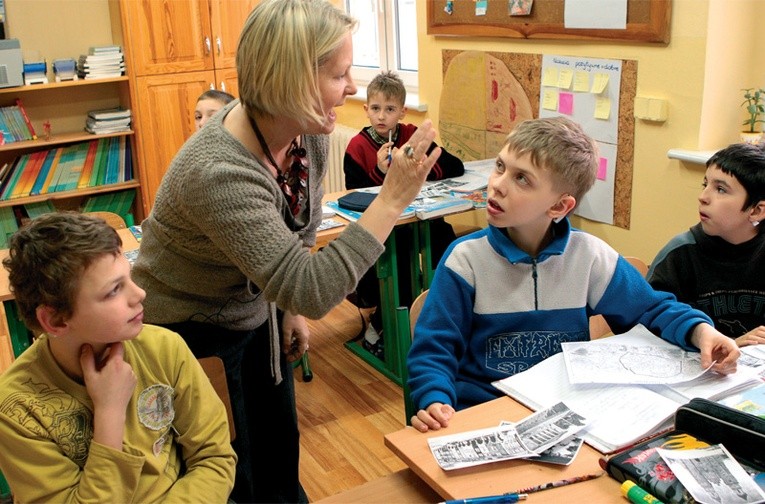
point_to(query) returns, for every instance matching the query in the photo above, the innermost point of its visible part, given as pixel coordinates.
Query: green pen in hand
(390, 147)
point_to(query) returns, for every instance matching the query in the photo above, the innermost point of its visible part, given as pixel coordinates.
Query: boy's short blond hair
(282, 45)
(561, 146)
(48, 257)
(390, 85)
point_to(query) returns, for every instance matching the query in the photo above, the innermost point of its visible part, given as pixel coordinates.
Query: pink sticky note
(602, 168)
(566, 103)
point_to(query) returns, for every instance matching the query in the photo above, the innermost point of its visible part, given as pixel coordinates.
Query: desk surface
(128, 243)
(500, 477)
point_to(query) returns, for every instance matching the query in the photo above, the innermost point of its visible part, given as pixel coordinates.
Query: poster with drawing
(587, 91)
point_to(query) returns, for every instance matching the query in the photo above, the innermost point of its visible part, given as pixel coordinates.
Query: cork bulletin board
(485, 94)
(647, 21)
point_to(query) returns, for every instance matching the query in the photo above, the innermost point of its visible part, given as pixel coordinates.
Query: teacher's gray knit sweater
(219, 243)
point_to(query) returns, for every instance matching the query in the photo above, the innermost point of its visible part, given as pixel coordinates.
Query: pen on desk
(560, 483)
(491, 499)
(390, 147)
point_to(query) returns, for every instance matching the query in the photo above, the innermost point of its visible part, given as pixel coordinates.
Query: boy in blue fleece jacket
(504, 298)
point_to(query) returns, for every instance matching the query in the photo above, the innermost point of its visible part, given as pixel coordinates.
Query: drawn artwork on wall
(485, 94)
(482, 101)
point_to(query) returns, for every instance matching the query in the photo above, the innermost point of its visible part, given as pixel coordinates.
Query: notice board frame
(647, 21)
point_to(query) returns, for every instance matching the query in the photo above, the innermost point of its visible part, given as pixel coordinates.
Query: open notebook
(620, 414)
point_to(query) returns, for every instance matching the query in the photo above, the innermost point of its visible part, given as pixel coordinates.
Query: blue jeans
(264, 414)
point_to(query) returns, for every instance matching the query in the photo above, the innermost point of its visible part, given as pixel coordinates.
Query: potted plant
(754, 103)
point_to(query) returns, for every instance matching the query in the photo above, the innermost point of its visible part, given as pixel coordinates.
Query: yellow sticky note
(602, 108)
(599, 83)
(581, 82)
(550, 77)
(564, 78)
(550, 100)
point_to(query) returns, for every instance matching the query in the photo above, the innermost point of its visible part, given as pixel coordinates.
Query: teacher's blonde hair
(282, 45)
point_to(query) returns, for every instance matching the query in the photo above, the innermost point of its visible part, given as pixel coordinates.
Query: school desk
(13, 334)
(501, 477)
(395, 321)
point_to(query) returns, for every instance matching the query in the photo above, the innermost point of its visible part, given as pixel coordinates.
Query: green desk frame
(395, 318)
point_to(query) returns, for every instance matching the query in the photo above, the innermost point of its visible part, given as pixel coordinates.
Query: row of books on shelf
(11, 217)
(76, 166)
(15, 125)
(101, 62)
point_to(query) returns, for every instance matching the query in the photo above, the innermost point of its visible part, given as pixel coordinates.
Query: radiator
(338, 141)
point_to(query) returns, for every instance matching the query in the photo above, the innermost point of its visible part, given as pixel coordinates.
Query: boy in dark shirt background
(365, 165)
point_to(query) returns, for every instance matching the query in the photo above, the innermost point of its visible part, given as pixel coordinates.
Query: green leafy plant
(754, 102)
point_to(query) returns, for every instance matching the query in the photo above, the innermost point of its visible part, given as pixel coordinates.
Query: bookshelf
(65, 106)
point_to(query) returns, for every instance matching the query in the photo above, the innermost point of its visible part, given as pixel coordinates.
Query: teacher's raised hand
(407, 173)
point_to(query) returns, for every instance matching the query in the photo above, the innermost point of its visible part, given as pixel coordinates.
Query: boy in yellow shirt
(102, 408)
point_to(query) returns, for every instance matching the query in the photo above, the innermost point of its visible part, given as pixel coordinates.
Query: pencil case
(356, 201)
(741, 433)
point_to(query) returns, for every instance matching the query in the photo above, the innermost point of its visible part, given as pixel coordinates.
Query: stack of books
(105, 121)
(101, 63)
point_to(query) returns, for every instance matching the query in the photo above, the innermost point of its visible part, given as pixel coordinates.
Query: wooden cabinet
(178, 49)
(170, 101)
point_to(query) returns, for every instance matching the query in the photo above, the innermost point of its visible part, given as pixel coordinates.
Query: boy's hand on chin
(110, 382)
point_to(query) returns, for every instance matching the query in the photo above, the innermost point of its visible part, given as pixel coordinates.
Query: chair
(213, 368)
(414, 314)
(598, 326)
(111, 218)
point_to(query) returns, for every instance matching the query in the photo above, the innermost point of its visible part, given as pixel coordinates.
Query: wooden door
(226, 80)
(228, 17)
(167, 36)
(166, 121)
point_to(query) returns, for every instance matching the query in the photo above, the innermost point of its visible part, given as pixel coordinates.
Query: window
(386, 39)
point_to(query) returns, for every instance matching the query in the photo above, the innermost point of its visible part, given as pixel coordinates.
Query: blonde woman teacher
(225, 256)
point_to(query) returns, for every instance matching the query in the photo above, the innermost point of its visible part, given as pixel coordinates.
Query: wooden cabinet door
(168, 36)
(166, 121)
(226, 80)
(228, 17)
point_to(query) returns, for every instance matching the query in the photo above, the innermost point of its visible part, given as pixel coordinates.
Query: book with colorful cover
(58, 179)
(18, 122)
(98, 165)
(71, 176)
(750, 401)
(31, 171)
(27, 122)
(10, 175)
(11, 124)
(6, 131)
(438, 205)
(52, 171)
(643, 465)
(18, 170)
(112, 165)
(87, 169)
(50, 157)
